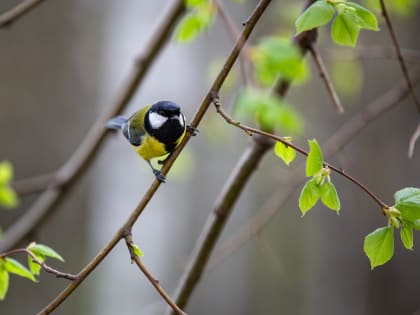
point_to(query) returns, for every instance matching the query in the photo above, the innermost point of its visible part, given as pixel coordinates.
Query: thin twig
(71, 171)
(16, 12)
(414, 137)
(44, 266)
(399, 54)
(84, 273)
(325, 77)
(335, 143)
(228, 119)
(234, 35)
(149, 276)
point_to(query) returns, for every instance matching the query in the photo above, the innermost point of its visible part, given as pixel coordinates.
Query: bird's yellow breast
(150, 148)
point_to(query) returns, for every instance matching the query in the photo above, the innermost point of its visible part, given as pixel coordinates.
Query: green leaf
(407, 201)
(315, 160)
(367, 19)
(137, 251)
(379, 246)
(4, 279)
(319, 13)
(8, 197)
(194, 3)
(6, 172)
(406, 234)
(13, 266)
(309, 195)
(275, 56)
(329, 196)
(44, 250)
(33, 265)
(345, 28)
(285, 152)
(195, 23)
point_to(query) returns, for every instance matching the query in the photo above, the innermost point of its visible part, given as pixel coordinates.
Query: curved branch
(335, 143)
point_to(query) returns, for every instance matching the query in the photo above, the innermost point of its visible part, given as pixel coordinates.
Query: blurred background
(65, 62)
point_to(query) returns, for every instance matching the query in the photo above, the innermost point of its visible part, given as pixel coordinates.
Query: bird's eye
(161, 112)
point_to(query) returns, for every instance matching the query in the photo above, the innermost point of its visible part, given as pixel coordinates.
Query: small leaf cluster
(348, 19)
(276, 57)
(8, 197)
(269, 111)
(403, 215)
(9, 265)
(319, 186)
(200, 18)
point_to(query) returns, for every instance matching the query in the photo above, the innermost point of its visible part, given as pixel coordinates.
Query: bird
(153, 131)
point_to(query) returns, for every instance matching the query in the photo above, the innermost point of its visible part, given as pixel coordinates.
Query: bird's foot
(159, 176)
(192, 130)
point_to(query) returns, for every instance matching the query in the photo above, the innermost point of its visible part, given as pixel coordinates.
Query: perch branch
(71, 171)
(84, 273)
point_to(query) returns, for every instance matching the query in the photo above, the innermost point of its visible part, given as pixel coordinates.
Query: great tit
(154, 131)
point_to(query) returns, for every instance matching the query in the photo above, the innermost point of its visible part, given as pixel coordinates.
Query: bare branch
(399, 54)
(149, 276)
(18, 11)
(177, 8)
(325, 77)
(237, 180)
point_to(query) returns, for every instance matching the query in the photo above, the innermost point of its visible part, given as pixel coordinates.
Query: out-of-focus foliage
(199, 19)
(8, 197)
(270, 112)
(276, 57)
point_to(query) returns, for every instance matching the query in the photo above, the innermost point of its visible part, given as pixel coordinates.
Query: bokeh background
(65, 62)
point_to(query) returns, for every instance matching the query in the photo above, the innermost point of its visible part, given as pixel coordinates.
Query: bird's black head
(165, 121)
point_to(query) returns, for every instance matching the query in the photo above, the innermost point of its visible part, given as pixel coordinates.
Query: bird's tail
(115, 123)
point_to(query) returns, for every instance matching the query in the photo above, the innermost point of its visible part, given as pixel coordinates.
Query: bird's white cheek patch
(156, 120)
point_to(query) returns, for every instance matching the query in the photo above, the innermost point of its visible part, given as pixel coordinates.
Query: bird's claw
(192, 130)
(159, 176)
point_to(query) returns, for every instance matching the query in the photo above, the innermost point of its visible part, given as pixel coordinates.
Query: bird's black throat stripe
(168, 134)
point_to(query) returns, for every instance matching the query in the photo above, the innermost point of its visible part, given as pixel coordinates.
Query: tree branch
(71, 171)
(335, 143)
(84, 273)
(252, 130)
(149, 276)
(325, 77)
(237, 180)
(44, 266)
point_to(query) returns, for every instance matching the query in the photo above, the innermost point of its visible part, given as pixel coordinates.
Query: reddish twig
(247, 129)
(44, 266)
